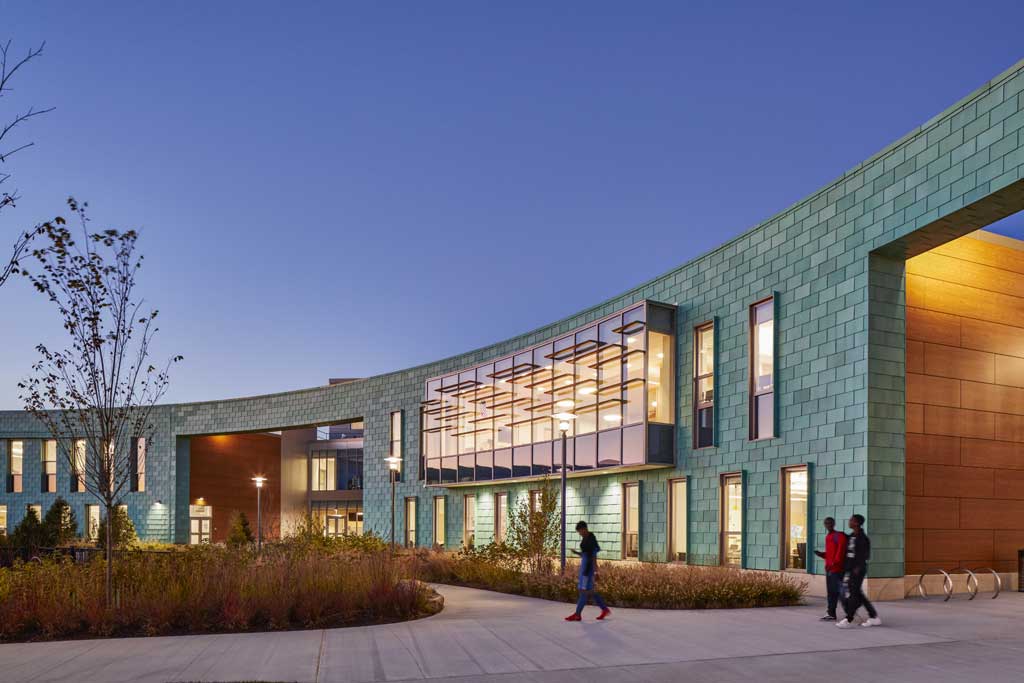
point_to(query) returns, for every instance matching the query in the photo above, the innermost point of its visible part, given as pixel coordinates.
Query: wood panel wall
(221, 470)
(965, 405)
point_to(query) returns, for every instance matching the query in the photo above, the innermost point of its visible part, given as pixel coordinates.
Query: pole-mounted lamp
(260, 480)
(564, 425)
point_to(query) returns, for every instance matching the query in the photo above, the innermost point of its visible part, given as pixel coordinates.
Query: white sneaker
(845, 623)
(872, 621)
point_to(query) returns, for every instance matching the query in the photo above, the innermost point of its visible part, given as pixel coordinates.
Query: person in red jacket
(835, 559)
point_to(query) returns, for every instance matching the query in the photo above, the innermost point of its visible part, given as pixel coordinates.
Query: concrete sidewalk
(506, 638)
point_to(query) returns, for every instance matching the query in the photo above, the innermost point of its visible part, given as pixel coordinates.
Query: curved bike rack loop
(998, 582)
(947, 583)
(972, 581)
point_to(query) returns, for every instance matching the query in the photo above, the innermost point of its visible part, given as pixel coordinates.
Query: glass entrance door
(199, 530)
(732, 521)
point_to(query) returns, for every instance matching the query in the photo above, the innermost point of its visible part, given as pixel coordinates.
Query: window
(535, 501)
(3, 520)
(794, 518)
(410, 522)
(469, 521)
(631, 521)
(762, 370)
(324, 471)
(138, 464)
(439, 521)
(731, 547)
(339, 518)
(35, 509)
(500, 517)
(16, 464)
(677, 520)
(78, 469)
(396, 439)
(660, 379)
(92, 522)
(704, 386)
(48, 459)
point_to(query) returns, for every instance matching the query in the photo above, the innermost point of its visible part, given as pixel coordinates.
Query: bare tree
(102, 388)
(9, 66)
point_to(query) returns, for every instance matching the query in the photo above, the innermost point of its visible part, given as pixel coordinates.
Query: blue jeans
(582, 601)
(834, 584)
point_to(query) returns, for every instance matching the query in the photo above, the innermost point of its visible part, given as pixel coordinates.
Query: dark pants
(857, 598)
(834, 584)
(582, 601)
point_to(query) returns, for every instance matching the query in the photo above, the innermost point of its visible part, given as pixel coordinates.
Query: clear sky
(341, 189)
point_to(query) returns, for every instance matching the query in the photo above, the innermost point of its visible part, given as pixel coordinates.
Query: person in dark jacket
(835, 559)
(858, 552)
(588, 573)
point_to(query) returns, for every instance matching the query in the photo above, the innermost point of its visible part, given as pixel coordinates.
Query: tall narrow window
(439, 521)
(660, 379)
(794, 518)
(535, 501)
(16, 464)
(704, 386)
(48, 457)
(631, 521)
(732, 520)
(138, 464)
(324, 471)
(3, 520)
(78, 471)
(410, 522)
(677, 520)
(92, 522)
(395, 450)
(469, 521)
(500, 517)
(762, 370)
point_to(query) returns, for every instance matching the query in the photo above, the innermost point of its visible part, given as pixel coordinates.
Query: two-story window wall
(613, 381)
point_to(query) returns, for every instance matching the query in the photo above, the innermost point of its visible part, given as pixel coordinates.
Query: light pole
(259, 513)
(394, 463)
(563, 426)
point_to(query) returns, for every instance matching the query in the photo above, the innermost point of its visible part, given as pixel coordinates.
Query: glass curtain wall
(500, 420)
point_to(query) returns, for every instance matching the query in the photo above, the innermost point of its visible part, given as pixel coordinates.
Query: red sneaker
(574, 617)
(605, 612)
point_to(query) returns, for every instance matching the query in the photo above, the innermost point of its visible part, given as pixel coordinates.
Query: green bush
(209, 589)
(60, 526)
(123, 531)
(239, 532)
(29, 532)
(651, 586)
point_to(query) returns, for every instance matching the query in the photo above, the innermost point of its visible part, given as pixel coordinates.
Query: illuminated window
(500, 517)
(16, 464)
(138, 464)
(439, 521)
(731, 516)
(410, 522)
(660, 380)
(92, 522)
(762, 370)
(794, 518)
(469, 521)
(78, 467)
(677, 520)
(631, 521)
(704, 386)
(396, 434)
(49, 466)
(324, 471)
(3, 520)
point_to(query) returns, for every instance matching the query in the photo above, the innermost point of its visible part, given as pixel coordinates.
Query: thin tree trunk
(110, 555)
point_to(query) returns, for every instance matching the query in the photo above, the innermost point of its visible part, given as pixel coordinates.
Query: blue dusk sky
(343, 189)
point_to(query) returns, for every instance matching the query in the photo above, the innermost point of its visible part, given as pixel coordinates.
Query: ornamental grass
(649, 586)
(209, 589)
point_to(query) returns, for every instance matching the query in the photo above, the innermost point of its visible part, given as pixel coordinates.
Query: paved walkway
(482, 635)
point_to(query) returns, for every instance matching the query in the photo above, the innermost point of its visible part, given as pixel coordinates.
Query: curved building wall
(834, 262)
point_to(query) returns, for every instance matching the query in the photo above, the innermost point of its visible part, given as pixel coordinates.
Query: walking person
(588, 573)
(835, 560)
(858, 552)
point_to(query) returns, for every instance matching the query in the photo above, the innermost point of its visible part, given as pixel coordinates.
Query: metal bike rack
(972, 582)
(998, 583)
(947, 583)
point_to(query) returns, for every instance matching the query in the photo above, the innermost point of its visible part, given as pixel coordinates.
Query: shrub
(534, 534)
(29, 533)
(60, 526)
(208, 589)
(240, 533)
(123, 531)
(652, 586)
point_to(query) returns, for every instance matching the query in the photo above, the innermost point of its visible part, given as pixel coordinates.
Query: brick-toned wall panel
(966, 495)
